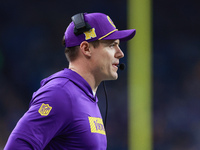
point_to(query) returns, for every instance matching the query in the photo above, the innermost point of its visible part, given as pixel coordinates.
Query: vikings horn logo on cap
(111, 22)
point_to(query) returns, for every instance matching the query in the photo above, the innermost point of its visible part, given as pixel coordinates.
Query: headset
(80, 25)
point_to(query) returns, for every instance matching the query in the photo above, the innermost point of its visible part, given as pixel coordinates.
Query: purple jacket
(63, 115)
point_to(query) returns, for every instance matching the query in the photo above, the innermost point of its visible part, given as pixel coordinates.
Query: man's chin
(114, 77)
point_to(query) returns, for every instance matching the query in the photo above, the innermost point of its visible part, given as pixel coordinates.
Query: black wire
(104, 87)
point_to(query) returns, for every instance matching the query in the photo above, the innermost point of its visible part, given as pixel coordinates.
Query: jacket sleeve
(15, 143)
(49, 113)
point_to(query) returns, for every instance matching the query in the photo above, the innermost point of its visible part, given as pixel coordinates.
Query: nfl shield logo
(44, 109)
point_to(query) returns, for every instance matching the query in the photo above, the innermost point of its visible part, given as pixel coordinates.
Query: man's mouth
(115, 65)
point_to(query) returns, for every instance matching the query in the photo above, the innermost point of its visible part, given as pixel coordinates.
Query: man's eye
(112, 45)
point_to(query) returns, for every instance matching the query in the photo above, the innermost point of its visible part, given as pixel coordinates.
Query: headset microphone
(121, 66)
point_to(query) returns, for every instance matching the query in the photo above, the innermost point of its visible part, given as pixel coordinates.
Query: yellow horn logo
(111, 22)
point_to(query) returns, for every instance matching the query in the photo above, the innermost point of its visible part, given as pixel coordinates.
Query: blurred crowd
(30, 50)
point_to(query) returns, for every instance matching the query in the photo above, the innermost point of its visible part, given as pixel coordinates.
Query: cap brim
(123, 35)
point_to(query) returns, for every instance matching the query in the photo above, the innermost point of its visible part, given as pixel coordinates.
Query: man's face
(105, 59)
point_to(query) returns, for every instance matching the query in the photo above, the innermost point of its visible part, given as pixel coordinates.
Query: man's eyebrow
(108, 42)
(116, 42)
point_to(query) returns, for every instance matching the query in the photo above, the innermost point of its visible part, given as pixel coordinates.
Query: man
(63, 113)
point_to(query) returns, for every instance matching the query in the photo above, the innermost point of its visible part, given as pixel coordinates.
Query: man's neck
(87, 75)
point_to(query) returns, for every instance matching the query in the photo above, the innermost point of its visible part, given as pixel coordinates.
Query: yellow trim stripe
(107, 34)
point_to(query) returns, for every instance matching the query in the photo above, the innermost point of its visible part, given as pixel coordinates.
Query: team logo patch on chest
(44, 109)
(96, 125)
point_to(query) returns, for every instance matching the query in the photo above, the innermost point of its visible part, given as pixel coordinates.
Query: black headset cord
(104, 87)
(121, 67)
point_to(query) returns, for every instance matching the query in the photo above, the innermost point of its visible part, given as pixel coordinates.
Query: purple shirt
(63, 114)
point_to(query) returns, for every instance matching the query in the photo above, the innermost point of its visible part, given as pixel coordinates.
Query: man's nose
(119, 53)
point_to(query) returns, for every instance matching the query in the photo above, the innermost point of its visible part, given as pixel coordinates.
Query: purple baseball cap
(102, 28)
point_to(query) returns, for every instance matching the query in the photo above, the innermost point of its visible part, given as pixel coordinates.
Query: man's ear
(85, 49)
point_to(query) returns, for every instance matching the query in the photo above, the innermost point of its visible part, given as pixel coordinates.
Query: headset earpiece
(80, 25)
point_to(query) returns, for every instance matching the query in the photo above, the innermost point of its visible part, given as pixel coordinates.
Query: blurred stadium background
(30, 50)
